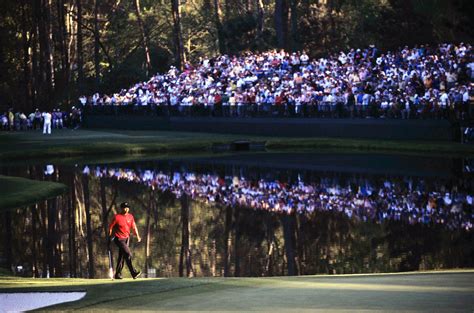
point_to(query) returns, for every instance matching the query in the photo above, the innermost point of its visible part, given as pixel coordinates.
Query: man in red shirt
(119, 230)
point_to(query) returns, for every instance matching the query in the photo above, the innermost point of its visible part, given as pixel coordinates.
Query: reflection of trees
(288, 224)
(182, 236)
(87, 209)
(237, 236)
(50, 238)
(72, 225)
(8, 239)
(151, 208)
(271, 233)
(428, 246)
(34, 219)
(185, 254)
(253, 239)
(227, 239)
(327, 242)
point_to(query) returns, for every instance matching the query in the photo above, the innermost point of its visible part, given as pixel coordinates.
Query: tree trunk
(79, 48)
(72, 229)
(60, 256)
(227, 240)
(220, 32)
(96, 44)
(38, 66)
(288, 235)
(185, 255)
(145, 38)
(52, 238)
(236, 243)
(227, 6)
(34, 221)
(46, 53)
(260, 20)
(26, 58)
(281, 22)
(90, 251)
(34, 67)
(295, 45)
(8, 239)
(271, 247)
(49, 49)
(64, 51)
(248, 6)
(180, 56)
(45, 243)
(105, 211)
(300, 247)
(331, 7)
(151, 204)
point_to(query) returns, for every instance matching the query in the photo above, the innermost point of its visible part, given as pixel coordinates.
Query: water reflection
(407, 199)
(199, 219)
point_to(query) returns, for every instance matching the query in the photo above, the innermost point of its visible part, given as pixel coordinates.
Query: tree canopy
(51, 51)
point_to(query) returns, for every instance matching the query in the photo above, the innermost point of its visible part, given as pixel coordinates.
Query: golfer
(119, 231)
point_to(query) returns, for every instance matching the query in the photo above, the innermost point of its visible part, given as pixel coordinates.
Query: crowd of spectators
(408, 199)
(18, 120)
(420, 82)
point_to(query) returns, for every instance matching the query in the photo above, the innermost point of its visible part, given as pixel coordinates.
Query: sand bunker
(24, 301)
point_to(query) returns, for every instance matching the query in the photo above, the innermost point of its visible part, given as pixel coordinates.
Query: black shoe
(136, 274)
(118, 276)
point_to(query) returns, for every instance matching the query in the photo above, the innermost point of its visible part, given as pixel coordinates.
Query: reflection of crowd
(406, 200)
(56, 118)
(424, 81)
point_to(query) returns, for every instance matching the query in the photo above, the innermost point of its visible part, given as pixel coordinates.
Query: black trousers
(125, 255)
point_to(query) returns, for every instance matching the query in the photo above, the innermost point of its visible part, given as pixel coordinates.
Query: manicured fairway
(417, 292)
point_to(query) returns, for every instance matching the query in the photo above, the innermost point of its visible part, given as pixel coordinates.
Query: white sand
(24, 301)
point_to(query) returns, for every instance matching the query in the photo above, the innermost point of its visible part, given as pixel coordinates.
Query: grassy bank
(68, 143)
(19, 192)
(428, 292)
(431, 148)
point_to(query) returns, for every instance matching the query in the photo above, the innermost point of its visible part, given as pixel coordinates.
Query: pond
(249, 214)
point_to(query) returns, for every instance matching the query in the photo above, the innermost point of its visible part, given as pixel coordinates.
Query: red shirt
(122, 224)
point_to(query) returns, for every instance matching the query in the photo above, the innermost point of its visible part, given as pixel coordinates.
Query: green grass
(81, 143)
(67, 143)
(432, 291)
(19, 192)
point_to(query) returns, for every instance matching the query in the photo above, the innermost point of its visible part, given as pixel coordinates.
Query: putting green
(417, 292)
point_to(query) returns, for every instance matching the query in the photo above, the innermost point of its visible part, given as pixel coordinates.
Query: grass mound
(19, 192)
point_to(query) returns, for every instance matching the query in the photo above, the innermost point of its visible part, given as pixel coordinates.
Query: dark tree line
(51, 51)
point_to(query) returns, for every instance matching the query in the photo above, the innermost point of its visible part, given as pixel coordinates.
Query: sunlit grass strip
(65, 143)
(19, 192)
(436, 148)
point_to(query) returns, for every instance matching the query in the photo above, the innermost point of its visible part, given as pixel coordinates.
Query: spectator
(47, 117)
(4, 121)
(289, 84)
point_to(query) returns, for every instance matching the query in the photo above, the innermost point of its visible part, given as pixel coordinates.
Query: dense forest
(51, 51)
